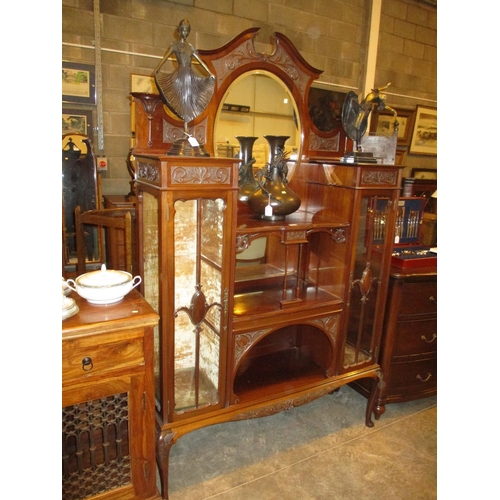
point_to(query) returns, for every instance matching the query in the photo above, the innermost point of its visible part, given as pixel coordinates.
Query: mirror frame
(227, 63)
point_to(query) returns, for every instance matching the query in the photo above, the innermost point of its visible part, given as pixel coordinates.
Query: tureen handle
(68, 282)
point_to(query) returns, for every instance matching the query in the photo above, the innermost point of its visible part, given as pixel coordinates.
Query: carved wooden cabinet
(244, 337)
(108, 438)
(408, 355)
(258, 316)
(366, 197)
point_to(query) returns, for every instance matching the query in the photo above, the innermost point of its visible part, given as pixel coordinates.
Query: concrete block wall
(330, 34)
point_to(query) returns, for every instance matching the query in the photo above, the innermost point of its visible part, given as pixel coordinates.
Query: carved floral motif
(273, 408)
(201, 175)
(148, 171)
(317, 143)
(244, 341)
(172, 133)
(376, 177)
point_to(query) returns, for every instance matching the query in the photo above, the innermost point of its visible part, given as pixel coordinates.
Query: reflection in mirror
(254, 254)
(257, 104)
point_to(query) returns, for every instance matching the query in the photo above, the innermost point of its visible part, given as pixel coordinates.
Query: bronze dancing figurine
(186, 93)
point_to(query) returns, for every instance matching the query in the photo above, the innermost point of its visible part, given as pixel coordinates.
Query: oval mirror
(257, 104)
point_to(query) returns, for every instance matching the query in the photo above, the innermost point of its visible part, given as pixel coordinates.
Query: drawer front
(416, 337)
(413, 377)
(80, 360)
(419, 298)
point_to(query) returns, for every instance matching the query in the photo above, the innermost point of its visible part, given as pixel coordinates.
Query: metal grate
(95, 447)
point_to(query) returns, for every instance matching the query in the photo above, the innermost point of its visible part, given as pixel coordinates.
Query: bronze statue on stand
(185, 91)
(355, 121)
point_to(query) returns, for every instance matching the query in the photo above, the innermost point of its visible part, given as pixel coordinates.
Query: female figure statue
(355, 114)
(186, 93)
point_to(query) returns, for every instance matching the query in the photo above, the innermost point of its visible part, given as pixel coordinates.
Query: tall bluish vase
(246, 178)
(274, 200)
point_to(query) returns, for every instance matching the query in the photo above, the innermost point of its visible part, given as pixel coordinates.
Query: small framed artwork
(76, 121)
(382, 123)
(424, 173)
(424, 136)
(143, 83)
(78, 83)
(325, 108)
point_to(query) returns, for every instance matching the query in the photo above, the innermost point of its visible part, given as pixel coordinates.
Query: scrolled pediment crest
(283, 57)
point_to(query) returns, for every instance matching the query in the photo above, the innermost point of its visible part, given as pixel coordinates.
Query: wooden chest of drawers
(408, 356)
(108, 433)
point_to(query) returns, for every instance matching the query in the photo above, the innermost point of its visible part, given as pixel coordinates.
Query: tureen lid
(103, 278)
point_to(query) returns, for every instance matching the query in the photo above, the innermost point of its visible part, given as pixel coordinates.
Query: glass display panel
(366, 278)
(151, 271)
(198, 308)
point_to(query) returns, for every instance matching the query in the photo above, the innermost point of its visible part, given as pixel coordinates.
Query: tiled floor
(318, 451)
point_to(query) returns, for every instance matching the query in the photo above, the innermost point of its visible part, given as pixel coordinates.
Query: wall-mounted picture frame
(78, 83)
(143, 83)
(424, 173)
(424, 136)
(77, 121)
(325, 108)
(382, 123)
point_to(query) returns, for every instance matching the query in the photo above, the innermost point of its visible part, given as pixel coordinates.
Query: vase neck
(246, 147)
(276, 144)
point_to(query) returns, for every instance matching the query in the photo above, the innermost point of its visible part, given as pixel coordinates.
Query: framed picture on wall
(424, 173)
(76, 121)
(325, 108)
(382, 123)
(78, 83)
(424, 136)
(143, 83)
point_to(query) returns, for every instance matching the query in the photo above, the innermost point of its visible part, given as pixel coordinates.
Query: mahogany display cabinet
(258, 316)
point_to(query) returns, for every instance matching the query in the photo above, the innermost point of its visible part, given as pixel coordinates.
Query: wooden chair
(117, 223)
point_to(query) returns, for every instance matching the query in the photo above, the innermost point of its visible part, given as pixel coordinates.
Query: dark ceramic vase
(274, 200)
(246, 179)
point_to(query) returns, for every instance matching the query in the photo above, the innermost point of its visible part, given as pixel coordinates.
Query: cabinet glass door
(365, 307)
(200, 303)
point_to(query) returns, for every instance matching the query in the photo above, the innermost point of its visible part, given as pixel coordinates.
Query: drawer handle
(424, 380)
(432, 299)
(424, 338)
(87, 364)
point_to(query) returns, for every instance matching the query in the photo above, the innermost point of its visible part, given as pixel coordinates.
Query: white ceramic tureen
(104, 286)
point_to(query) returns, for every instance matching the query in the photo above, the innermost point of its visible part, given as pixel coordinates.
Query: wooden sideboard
(108, 436)
(408, 355)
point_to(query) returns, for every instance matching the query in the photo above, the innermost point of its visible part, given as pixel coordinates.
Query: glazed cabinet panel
(186, 215)
(365, 196)
(108, 440)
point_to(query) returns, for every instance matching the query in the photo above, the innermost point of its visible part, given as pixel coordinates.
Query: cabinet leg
(378, 385)
(163, 445)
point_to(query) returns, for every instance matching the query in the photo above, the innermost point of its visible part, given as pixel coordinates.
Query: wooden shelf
(276, 374)
(270, 300)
